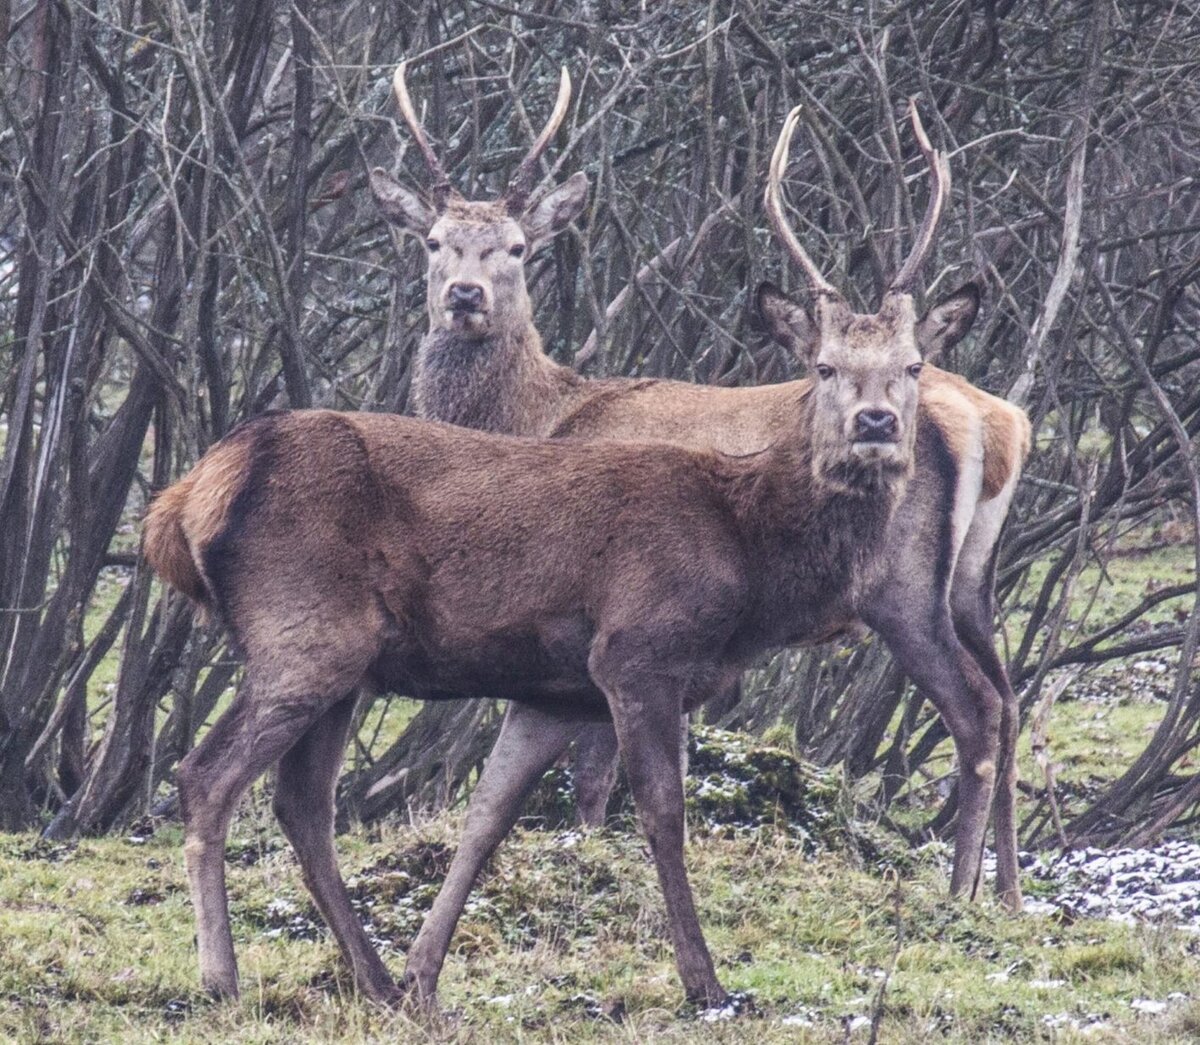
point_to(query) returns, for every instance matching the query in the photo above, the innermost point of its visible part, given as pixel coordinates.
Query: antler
(773, 200)
(521, 184)
(441, 180)
(939, 171)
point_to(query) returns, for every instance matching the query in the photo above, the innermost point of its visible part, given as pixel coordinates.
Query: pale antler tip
(789, 124)
(939, 168)
(784, 144)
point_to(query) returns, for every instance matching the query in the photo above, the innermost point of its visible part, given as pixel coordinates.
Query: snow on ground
(1159, 884)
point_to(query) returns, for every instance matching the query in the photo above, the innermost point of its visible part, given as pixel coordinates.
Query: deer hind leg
(304, 806)
(596, 754)
(263, 722)
(530, 742)
(973, 616)
(595, 766)
(929, 651)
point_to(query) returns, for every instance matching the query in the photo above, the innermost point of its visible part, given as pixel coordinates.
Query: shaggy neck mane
(499, 383)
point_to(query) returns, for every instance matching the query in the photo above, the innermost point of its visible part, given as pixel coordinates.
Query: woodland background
(186, 240)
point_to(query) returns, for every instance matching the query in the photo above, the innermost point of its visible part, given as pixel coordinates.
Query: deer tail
(166, 547)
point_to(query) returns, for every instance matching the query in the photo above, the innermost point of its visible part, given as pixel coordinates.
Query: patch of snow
(799, 1019)
(737, 1003)
(1091, 1023)
(1159, 884)
(717, 1014)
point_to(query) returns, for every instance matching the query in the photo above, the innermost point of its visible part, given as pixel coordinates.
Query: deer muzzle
(466, 309)
(876, 426)
(464, 297)
(875, 435)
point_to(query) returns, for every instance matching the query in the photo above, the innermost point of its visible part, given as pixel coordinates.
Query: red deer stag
(636, 581)
(967, 468)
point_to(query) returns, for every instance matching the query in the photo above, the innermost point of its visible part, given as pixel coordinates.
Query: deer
(948, 526)
(581, 579)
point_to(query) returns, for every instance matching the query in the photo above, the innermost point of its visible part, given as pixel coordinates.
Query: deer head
(477, 249)
(867, 367)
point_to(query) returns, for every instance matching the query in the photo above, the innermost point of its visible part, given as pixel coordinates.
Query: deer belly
(544, 665)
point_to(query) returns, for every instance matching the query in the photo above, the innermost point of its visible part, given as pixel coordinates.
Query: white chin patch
(866, 451)
(466, 322)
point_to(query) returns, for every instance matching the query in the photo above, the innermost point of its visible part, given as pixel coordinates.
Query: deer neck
(818, 542)
(499, 383)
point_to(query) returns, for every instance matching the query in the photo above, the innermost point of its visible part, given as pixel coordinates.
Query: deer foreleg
(647, 697)
(650, 744)
(595, 769)
(595, 772)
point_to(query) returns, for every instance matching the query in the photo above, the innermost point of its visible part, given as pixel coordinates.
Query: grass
(96, 943)
(1106, 716)
(1103, 592)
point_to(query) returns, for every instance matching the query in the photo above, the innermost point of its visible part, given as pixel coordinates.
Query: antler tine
(521, 184)
(939, 192)
(441, 180)
(773, 201)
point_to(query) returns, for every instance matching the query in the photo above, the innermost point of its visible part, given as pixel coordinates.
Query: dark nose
(875, 426)
(467, 296)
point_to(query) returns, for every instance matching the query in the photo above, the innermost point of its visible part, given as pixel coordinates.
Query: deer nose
(465, 296)
(876, 426)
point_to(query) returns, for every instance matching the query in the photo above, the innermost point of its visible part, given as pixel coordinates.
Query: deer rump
(441, 563)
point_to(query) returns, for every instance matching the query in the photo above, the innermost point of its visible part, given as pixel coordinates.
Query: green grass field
(96, 944)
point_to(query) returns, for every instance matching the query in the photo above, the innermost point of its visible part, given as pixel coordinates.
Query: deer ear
(789, 323)
(948, 321)
(554, 211)
(401, 206)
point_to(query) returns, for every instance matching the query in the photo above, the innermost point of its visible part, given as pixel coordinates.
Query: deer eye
(824, 372)
(915, 369)
(432, 246)
(517, 249)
